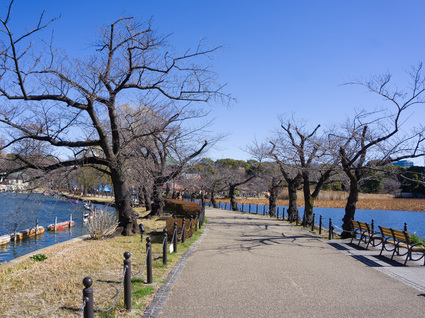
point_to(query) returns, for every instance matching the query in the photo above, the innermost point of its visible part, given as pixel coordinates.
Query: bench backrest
(355, 224)
(401, 236)
(364, 226)
(386, 231)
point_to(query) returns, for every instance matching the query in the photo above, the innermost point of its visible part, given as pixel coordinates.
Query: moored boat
(4, 239)
(61, 225)
(27, 233)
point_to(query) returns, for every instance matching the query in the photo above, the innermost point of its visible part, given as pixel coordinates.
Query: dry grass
(53, 288)
(338, 200)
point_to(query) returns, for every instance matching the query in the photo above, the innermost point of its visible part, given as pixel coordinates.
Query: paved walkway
(251, 266)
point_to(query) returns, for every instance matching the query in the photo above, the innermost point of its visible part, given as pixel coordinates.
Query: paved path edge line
(158, 302)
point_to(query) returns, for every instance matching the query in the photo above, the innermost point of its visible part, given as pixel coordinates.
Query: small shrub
(414, 238)
(39, 257)
(102, 225)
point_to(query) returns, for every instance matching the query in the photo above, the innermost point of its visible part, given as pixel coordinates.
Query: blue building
(403, 163)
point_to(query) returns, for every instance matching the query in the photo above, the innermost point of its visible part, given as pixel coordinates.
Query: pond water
(26, 209)
(394, 219)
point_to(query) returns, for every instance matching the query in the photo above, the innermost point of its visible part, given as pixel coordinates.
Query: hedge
(182, 208)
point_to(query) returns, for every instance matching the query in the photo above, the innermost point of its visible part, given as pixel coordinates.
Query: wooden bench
(366, 234)
(397, 239)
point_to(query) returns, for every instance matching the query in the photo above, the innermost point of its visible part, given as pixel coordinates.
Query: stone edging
(155, 307)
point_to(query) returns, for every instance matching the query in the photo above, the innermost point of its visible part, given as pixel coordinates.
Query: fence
(87, 309)
(279, 214)
(263, 210)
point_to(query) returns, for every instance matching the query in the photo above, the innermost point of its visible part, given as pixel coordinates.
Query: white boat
(4, 239)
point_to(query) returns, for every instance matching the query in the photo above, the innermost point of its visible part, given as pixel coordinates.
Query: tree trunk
(232, 198)
(293, 214)
(147, 198)
(202, 199)
(213, 201)
(127, 218)
(350, 209)
(274, 191)
(158, 201)
(308, 204)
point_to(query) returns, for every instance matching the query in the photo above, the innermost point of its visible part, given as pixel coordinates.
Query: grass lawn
(53, 287)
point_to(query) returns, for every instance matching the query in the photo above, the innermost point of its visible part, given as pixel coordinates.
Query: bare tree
(311, 153)
(75, 104)
(269, 172)
(375, 136)
(237, 173)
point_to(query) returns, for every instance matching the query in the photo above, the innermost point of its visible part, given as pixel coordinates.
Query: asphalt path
(251, 266)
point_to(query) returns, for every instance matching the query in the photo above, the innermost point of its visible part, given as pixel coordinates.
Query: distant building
(403, 163)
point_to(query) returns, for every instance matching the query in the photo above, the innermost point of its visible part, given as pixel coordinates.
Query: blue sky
(280, 57)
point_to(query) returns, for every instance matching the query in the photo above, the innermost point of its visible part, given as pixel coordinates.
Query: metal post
(373, 225)
(127, 281)
(165, 248)
(320, 225)
(56, 222)
(312, 223)
(191, 221)
(405, 227)
(183, 230)
(264, 210)
(175, 238)
(330, 229)
(242, 208)
(256, 212)
(296, 220)
(88, 297)
(149, 260)
(283, 213)
(249, 208)
(196, 221)
(15, 232)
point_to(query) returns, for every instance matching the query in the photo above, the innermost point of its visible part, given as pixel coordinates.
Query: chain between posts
(82, 308)
(116, 299)
(160, 252)
(143, 269)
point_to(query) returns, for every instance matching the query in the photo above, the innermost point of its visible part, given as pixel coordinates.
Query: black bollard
(191, 222)
(373, 225)
(175, 238)
(249, 208)
(183, 230)
(196, 221)
(320, 225)
(142, 230)
(283, 213)
(256, 211)
(330, 229)
(127, 281)
(88, 297)
(242, 208)
(149, 261)
(165, 248)
(405, 227)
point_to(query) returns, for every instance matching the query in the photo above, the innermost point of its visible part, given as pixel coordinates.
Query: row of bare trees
(122, 109)
(301, 157)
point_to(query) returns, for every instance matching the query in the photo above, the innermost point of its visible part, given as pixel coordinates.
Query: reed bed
(339, 200)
